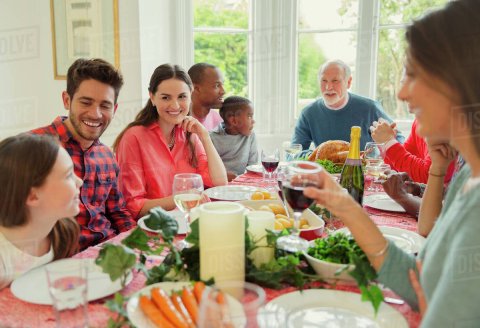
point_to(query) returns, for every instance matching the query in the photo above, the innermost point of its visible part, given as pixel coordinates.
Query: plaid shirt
(102, 207)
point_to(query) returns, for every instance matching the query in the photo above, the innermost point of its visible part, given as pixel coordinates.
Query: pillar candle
(222, 241)
(258, 221)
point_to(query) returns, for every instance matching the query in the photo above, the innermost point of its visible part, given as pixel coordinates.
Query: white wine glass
(374, 153)
(187, 191)
(297, 178)
(291, 150)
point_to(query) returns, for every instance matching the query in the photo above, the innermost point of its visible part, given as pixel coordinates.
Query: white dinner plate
(409, 241)
(382, 202)
(177, 214)
(327, 308)
(231, 192)
(140, 320)
(32, 287)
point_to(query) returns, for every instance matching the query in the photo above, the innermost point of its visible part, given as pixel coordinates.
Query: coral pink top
(147, 166)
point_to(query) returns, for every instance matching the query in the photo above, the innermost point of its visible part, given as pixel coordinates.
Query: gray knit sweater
(237, 151)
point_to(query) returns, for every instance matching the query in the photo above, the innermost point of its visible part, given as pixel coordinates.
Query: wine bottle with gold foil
(352, 173)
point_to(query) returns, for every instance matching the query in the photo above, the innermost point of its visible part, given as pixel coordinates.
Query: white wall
(30, 97)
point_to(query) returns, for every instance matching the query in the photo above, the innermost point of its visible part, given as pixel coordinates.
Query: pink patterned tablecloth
(381, 218)
(17, 313)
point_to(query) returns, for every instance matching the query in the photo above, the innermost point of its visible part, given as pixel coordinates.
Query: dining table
(18, 313)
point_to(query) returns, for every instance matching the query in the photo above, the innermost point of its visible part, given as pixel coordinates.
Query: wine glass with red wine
(270, 160)
(297, 177)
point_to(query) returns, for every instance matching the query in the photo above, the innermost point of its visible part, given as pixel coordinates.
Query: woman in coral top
(162, 141)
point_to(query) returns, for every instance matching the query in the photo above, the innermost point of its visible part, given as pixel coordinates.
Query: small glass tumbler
(67, 286)
(231, 304)
(380, 177)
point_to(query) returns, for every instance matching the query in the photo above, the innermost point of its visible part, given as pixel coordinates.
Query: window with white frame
(395, 15)
(325, 30)
(221, 37)
(271, 50)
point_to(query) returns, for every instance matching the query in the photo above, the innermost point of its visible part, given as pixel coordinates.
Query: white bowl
(316, 223)
(326, 270)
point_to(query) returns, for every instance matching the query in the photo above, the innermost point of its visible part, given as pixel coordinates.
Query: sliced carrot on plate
(190, 303)
(153, 313)
(164, 303)
(198, 289)
(177, 302)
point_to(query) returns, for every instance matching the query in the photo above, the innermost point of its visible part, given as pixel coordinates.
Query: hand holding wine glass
(298, 174)
(187, 192)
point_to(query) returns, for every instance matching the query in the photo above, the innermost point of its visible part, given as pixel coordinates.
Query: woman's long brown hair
(445, 43)
(149, 114)
(25, 162)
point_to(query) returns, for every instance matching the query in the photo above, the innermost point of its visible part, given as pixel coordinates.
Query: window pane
(313, 50)
(404, 11)
(229, 53)
(391, 55)
(327, 14)
(221, 13)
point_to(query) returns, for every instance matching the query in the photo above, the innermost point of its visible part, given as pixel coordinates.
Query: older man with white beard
(332, 116)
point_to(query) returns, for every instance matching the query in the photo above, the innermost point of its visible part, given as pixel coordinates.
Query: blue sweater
(317, 123)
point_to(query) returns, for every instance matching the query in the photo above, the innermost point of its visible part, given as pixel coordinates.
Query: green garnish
(184, 265)
(329, 166)
(342, 249)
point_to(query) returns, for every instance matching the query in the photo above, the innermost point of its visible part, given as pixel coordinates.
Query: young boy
(234, 139)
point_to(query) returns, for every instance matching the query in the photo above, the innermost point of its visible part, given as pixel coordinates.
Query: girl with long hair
(38, 201)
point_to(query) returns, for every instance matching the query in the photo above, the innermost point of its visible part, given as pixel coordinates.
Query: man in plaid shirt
(93, 86)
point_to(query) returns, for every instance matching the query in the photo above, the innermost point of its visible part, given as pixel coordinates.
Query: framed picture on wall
(83, 29)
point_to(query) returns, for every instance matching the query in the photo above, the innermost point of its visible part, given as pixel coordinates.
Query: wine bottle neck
(354, 150)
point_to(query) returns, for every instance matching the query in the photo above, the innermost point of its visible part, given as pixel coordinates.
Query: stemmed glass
(187, 191)
(374, 153)
(296, 180)
(291, 150)
(373, 156)
(331, 220)
(376, 176)
(270, 160)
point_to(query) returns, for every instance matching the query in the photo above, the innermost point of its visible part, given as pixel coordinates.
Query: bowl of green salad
(332, 257)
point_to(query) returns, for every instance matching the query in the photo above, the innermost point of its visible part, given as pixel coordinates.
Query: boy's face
(243, 121)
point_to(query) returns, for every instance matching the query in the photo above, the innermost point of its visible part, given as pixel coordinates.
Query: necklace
(172, 140)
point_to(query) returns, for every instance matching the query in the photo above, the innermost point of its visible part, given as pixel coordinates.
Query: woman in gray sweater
(442, 88)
